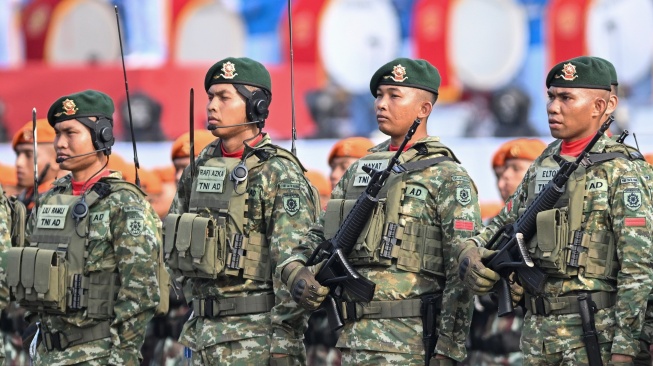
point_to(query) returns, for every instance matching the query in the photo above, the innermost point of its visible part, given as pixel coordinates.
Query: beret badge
(69, 108)
(228, 71)
(398, 74)
(568, 72)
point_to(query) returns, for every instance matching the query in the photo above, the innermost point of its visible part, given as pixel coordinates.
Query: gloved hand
(471, 270)
(516, 291)
(303, 286)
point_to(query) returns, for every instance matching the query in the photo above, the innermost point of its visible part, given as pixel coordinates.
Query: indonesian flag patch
(635, 221)
(464, 225)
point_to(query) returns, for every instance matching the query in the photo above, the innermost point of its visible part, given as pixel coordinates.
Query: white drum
(489, 40)
(356, 37)
(622, 33)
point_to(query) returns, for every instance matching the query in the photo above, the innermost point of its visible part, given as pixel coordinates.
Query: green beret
(407, 72)
(88, 103)
(580, 72)
(613, 72)
(242, 70)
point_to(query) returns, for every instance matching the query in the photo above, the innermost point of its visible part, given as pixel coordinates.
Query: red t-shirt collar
(395, 148)
(576, 147)
(239, 154)
(80, 187)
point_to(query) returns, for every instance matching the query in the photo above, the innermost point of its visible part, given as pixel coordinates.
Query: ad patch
(415, 191)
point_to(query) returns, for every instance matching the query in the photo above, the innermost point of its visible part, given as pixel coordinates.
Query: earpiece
(257, 107)
(101, 133)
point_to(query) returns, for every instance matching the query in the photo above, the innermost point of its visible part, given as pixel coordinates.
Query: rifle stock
(512, 259)
(337, 273)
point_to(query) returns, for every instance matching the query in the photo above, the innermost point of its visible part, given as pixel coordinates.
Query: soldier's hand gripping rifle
(510, 240)
(337, 273)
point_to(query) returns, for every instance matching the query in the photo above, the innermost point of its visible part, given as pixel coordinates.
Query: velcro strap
(200, 229)
(14, 259)
(171, 222)
(566, 304)
(73, 336)
(28, 266)
(44, 260)
(184, 233)
(381, 309)
(210, 307)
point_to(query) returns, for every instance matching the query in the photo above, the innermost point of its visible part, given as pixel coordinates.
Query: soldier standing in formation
(23, 144)
(254, 202)
(604, 214)
(88, 273)
(431, 205)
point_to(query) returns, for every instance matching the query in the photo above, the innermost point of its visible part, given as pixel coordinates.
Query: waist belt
(354, 311)
(566, 304)
(211, 307)
(60, 340)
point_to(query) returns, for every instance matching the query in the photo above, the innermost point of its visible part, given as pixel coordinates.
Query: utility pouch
(37, 279)
(192, 245)
(102, 294)
(550, 245)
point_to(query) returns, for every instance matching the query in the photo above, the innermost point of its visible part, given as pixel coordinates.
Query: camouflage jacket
(630, 226)
(285, 323)
(113, 247)
(457, 221)
(5, 244)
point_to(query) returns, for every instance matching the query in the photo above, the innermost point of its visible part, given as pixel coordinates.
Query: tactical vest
(17, 215)
(213, 238)
(392, 235)
(562, 247)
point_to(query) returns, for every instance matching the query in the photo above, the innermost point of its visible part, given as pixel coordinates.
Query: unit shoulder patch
(464, 195)
(633, 198)
(291, 203)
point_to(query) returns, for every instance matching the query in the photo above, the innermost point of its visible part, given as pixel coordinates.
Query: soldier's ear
(425, 109)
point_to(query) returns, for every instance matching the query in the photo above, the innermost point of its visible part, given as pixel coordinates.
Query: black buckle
(540, 306)
(208, 307)
(55, 341)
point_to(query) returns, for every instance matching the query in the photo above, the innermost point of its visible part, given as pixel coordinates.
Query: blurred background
(493, 56)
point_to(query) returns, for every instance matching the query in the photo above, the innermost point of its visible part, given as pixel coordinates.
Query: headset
(101, 132)
(257, 104)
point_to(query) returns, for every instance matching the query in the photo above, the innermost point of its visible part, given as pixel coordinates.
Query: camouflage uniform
(252, 338)
(5, 244)
(616, 208)
(131, 252)
(447, 204)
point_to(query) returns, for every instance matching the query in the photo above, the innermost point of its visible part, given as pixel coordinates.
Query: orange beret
(44, 133)
(165, 173)
(117, 163)
(150, 182)
(320, 182)
(353, 147)
(528, 149)
(649, 158)
(8, 175)
(181, 146)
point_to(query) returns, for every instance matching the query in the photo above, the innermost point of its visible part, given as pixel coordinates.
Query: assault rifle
(337, 273)
(510, 240)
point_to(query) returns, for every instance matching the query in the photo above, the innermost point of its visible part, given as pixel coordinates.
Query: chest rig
(573, 238)
(49, 275)
(213, 239)
(393, 235)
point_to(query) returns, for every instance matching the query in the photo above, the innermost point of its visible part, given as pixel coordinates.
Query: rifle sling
(420, 164)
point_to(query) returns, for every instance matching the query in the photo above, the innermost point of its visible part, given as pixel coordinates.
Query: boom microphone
(61, 160)
(215, 127)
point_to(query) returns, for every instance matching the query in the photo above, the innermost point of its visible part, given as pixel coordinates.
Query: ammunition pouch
(563, 305)
(194, 245)
(73, 336)
(37, 279)
(212, 307)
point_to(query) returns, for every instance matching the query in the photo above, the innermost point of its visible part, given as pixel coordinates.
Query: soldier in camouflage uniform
(603, 219)
(5, 244)
(254, 200)
(431, 205)
(88, 273)
(644, 356)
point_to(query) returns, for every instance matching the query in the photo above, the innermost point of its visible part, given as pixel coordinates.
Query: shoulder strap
(420, 164)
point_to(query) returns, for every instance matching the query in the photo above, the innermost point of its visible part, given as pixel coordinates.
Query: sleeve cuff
(625, 346)
(287, 346)
(451, 349)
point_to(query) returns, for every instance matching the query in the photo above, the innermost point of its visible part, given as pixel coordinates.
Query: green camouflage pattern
(134, 257)
(439, 208)
(361, 357)
(286, 323)
(606, 211)
(5, 244)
